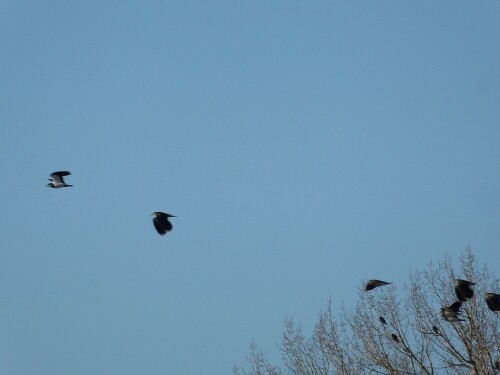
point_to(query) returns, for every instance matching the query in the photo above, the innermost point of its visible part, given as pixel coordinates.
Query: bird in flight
(161, 223)
(463, 289)
(493, 301)
(450, 313)
(372, 284)
(57, 180)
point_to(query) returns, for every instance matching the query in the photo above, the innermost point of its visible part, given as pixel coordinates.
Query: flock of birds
(160, 219)
(452, 313)
(463, 291)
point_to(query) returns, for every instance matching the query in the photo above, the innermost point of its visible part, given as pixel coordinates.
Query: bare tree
(393, 335)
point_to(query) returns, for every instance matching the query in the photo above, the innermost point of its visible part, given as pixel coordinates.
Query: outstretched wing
(162, 225)
(58, 176)
(372, 284)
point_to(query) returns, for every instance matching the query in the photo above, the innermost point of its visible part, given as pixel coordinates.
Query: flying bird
(382, 320)
(57, 180)
(372, 284)
(451, 313)
(493, 301)
(463, 289)
(161, 223)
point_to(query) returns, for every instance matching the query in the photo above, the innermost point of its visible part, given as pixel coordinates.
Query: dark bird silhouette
(57, 180)
(435, 330)
(394, 337)
(161, 223)
(382, 320)
(452, 312)
(372, 284)
(463, 289)
(493, 301)
(497, 365)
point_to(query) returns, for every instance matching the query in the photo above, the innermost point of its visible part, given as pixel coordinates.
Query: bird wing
(463, 289)
(162, 224)
(371, 284)
(489, 302)
(167, 226)
(58, 176)
(455, 306)
(159, 227)
(450, 315)
(461, 293)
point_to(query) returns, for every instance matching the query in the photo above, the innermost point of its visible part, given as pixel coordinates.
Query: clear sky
(304, 146)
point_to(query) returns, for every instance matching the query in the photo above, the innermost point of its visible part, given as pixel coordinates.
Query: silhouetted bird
(463, 289)
(435, 330)
(162, 225)
(394, 337)
(497, 365)
(493, 301)
(382, 320)
(372, 284)
(450, 313)
(57, 180)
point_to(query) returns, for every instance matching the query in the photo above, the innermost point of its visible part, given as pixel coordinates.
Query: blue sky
(303, 146)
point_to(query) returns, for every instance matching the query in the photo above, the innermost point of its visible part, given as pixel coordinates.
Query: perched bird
(394, 337)
(463, 289)
(57, 180)
(435, 330)
(450, 313)
(497, 365)
(372, 284)
(382, 320)
(161, 223)
(493, 301)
